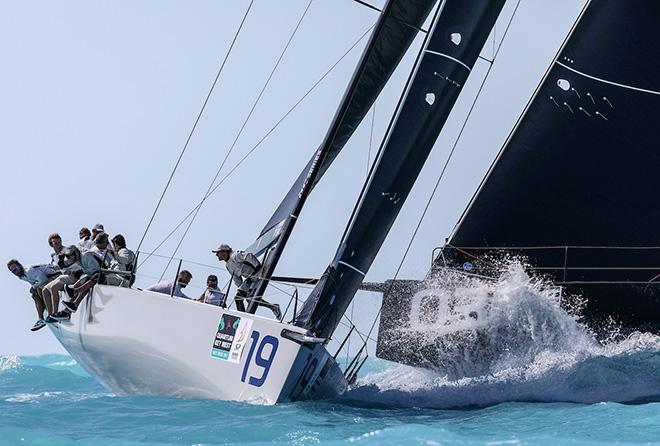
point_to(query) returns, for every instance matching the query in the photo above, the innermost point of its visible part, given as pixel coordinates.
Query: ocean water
(50, 400)
(539, 379)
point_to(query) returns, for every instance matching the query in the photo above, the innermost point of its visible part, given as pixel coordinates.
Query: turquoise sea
(50, 400)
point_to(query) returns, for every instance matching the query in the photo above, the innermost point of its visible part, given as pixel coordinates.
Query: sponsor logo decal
(231, 337)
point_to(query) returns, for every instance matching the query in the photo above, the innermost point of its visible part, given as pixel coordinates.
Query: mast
(393, 34)
(458, 34)
(575, 187)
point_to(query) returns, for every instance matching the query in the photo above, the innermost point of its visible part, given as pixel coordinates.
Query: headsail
(459, 32)
(575, 187)
(393, 34)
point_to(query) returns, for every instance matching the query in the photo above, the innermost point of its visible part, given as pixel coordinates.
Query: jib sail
(393, 34)
(459, 31)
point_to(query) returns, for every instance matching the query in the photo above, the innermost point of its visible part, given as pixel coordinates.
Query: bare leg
(81, 292)
(55, 295)
(48, 300)
(38, 303)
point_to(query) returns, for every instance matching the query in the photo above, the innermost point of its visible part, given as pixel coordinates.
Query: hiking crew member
(71, 269)
(244, 268)
(37, 276)
(96, 230)
(92, 261)
(212, 295)
(86, 242)
(124, 261)
(55, 242)
(165, 287)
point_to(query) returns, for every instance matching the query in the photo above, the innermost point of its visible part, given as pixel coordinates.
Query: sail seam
(605, 81)
(450, 58)
(352, 267)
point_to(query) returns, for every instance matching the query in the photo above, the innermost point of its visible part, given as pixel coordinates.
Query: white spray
(509, 340)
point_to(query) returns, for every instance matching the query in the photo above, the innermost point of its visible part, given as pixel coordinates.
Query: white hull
(140, 342)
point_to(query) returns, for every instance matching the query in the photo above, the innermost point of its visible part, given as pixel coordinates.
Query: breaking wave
(487, 342)
(8, 363)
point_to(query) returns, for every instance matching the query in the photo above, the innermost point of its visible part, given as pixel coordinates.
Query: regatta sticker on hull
(231, 337)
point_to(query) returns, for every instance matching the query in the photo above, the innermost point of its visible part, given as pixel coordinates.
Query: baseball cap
(223, 247)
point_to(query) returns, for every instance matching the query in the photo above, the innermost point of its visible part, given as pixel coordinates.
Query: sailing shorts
(64, 279)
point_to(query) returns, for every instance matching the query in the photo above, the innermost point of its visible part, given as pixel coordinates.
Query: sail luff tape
(450, 58)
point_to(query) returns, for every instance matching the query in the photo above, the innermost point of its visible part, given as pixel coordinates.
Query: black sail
(576, 187)
(393, 34)
(395, 30)
(458, 34)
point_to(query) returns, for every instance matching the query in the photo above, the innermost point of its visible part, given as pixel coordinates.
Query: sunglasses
(15, 269)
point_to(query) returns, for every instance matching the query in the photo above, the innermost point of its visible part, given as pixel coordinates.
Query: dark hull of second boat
(615, 288)
(425, 337)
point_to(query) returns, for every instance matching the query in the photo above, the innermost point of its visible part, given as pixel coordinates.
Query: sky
(97, 100)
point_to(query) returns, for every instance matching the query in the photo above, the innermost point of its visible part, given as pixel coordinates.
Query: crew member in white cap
(244, 268)
(96, 230)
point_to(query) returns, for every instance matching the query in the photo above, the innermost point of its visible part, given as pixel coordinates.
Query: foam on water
(10, 362)
(42, 403)
(522, 347)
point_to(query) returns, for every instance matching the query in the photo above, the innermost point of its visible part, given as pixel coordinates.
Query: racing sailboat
(573, 191)
(139, 342)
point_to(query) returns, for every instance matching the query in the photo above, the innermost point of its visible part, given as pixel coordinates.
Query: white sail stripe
(630, 87)
(448, 57)
(352, 267)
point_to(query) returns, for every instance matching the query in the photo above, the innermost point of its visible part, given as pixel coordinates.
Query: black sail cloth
(458, 35)
(393, 34)
(577, 184)
(395, 30)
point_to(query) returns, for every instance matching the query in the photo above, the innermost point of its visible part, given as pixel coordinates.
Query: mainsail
(458, 33)
(575, 189)
(397, 26)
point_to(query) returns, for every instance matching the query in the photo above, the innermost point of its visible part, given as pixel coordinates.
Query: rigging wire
(363, 3)
(192, 130)
(258, 144)
(369, 147)
(444, 168)
(370, 6)
(238, 135)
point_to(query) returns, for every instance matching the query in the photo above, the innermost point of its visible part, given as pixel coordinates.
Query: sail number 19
(261, 361)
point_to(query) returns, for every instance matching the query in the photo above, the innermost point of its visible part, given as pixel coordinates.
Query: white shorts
(64, 279)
